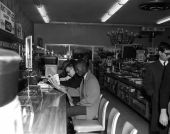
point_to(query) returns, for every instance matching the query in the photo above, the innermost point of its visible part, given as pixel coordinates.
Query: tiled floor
(141, 124)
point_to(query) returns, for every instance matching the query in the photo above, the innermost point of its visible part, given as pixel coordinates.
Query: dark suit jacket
(165, 89)
(152, 81)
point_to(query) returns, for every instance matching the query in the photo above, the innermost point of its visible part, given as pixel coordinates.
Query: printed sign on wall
(6, 19)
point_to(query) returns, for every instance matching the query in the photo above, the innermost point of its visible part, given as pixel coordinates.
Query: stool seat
(128, 128)
(87, 133)
(87, 125)
(82, 125)
(112, 122)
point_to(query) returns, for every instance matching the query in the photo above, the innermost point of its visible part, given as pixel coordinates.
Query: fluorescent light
(105, 17)
(122, 2)
(46, 19)
(41, 9)
(114, 8)
(163, 20)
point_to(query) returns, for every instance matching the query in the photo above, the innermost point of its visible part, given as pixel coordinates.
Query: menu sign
(6, 19)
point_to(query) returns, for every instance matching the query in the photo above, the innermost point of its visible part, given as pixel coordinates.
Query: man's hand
(163, 119)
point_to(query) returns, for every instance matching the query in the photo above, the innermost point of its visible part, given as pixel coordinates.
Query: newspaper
(55, 82)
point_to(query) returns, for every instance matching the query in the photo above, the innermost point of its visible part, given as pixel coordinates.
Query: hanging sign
(6, 19)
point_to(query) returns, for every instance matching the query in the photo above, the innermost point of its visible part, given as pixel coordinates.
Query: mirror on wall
(81, 52)
(66, 51)
(60, 50)
(71, 51)
(93, 54)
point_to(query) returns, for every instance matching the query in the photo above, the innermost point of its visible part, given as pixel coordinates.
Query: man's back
(90, 95)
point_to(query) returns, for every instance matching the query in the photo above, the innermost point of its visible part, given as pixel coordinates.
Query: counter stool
(112, 121)
(101, 95)
(82, 125)
(128, 128)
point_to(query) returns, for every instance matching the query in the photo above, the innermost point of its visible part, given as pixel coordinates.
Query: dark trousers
(162, 130)
(76, 110)
(73, 111)
(75, 100)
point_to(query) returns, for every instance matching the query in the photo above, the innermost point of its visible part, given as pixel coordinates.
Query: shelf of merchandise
(128, 92)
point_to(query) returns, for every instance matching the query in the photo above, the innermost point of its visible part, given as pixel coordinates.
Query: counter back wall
(82, 34)
(72, 34)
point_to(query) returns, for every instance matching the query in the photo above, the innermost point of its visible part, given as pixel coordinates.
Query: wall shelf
(8, 37)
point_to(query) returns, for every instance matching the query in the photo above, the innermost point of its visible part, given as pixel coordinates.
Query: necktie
(163, 72)
(82, 90)
(162, 78)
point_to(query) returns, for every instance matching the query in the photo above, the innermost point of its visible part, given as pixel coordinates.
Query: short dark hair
(163, 46)
(83, 62)
(70, 63)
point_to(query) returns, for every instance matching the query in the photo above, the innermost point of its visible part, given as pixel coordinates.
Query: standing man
(153, 84)
(165, 93)
(88, 105)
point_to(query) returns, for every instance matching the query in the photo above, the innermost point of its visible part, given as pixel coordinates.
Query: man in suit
(88, 105)
(153, 84)
(165, 93)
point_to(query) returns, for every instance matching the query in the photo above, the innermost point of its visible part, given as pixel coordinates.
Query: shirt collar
(162, 62)
(85, 76)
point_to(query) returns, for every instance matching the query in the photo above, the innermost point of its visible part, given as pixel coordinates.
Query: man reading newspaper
(55, 82)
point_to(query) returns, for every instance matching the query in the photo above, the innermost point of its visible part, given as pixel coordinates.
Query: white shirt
(162, 62)
(85, 76)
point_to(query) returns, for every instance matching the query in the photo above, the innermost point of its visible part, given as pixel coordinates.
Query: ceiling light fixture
(114, 8)
(41, 9)
(105, 17)
(163, 20)
(155, 5)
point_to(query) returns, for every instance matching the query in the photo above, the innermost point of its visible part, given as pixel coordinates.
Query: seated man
(89, 94)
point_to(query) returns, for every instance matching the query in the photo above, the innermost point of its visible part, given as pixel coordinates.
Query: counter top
(50, 115)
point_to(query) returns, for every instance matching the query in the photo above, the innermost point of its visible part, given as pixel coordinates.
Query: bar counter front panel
(49, 115)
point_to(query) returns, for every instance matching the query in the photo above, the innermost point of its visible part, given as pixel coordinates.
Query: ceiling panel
(90, 11)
